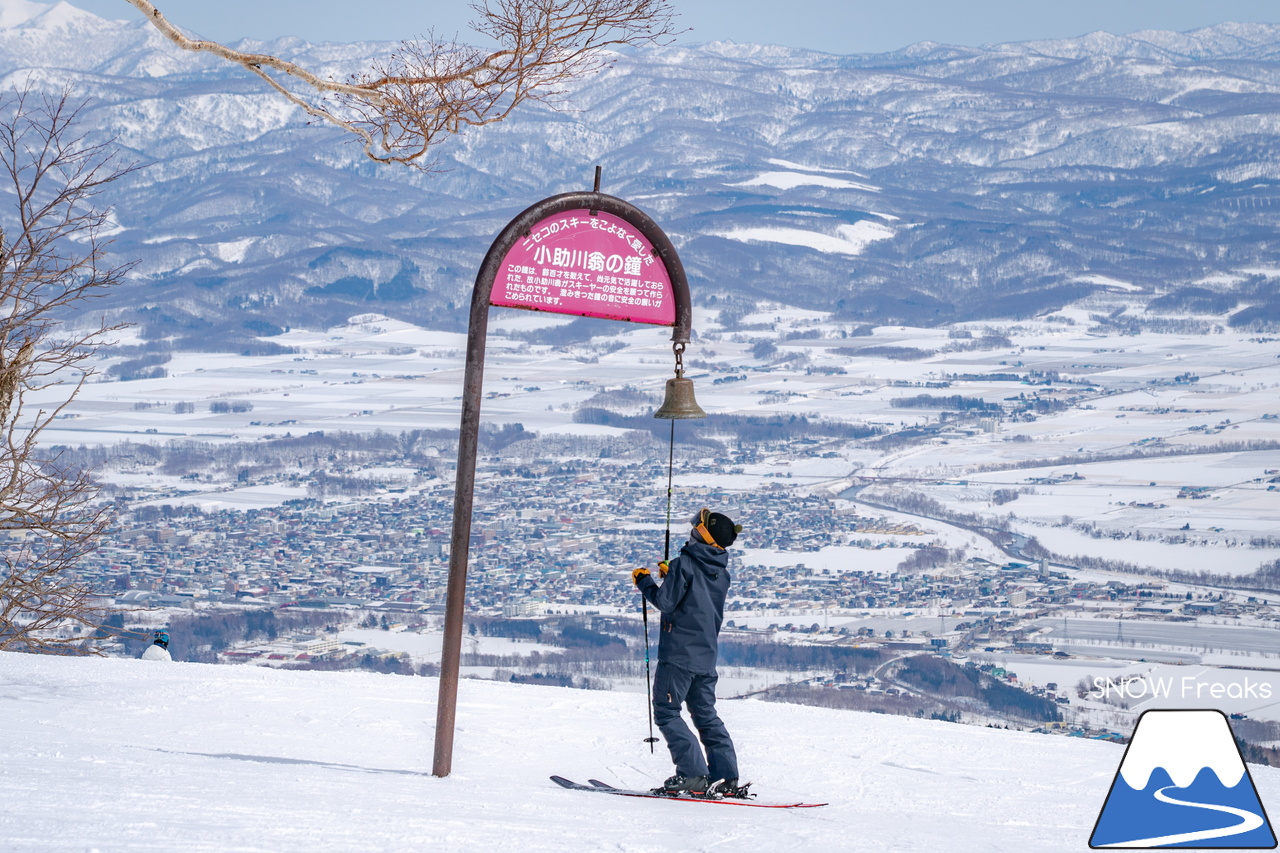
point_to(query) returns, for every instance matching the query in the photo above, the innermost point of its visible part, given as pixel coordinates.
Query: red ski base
(602, 788)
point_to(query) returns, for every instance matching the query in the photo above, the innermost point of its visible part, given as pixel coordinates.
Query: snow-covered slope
(124, 755)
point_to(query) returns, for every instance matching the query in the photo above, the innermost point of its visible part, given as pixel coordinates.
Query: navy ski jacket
(691, 600)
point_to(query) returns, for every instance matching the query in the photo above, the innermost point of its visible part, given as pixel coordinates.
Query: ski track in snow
(121, 755)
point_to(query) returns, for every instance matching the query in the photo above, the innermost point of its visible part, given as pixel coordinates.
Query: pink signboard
(591, 265)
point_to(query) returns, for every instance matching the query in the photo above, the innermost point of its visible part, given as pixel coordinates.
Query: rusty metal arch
(469, 431)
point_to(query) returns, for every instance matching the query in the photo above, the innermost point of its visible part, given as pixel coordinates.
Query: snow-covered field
(426, 646)
(122, 755)
(1140, 393)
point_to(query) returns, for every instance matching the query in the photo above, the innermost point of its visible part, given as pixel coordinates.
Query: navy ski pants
(673, 687)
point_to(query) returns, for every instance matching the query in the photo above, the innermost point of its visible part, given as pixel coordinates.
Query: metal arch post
(469, 430)
(460, 539)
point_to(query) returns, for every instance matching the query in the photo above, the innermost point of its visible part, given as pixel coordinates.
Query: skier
(158, 650)
(691, 600)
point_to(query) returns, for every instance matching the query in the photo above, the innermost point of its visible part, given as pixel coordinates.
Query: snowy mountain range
(932, 184)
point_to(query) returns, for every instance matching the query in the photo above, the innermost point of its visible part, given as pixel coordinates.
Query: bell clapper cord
(678, 347)
(666, 553)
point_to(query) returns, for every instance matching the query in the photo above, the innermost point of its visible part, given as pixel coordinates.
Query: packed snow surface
(126, 755)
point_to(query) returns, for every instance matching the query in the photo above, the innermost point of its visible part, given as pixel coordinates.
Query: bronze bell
(679, 404)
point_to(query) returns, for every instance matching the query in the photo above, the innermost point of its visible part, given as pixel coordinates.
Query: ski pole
(644, 602)
(644, 607)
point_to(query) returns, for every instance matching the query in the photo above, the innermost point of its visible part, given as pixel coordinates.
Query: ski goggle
(699, 523)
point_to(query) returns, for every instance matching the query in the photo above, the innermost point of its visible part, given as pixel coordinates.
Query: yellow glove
(663, 568)
(635, 576)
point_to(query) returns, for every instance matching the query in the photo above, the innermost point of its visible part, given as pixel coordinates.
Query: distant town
(561, 536)
(531, 552)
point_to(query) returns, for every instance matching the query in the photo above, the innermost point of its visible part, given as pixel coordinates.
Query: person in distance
(159, 649)
(691, 600)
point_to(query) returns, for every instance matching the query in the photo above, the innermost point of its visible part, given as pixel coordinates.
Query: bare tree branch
(52, 260)
(426, 89)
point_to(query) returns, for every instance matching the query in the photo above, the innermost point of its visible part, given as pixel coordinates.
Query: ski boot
(729, 789)
(680, 784)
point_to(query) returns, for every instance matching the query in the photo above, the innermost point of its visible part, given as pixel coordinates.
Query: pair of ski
(601, 788)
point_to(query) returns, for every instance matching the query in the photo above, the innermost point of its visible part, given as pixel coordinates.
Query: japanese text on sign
(588, 265)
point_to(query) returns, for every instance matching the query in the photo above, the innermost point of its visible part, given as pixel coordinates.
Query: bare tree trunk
(52, 260)
(428, 89)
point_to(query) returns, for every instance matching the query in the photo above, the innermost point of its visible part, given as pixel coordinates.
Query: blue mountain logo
(1183, 783)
